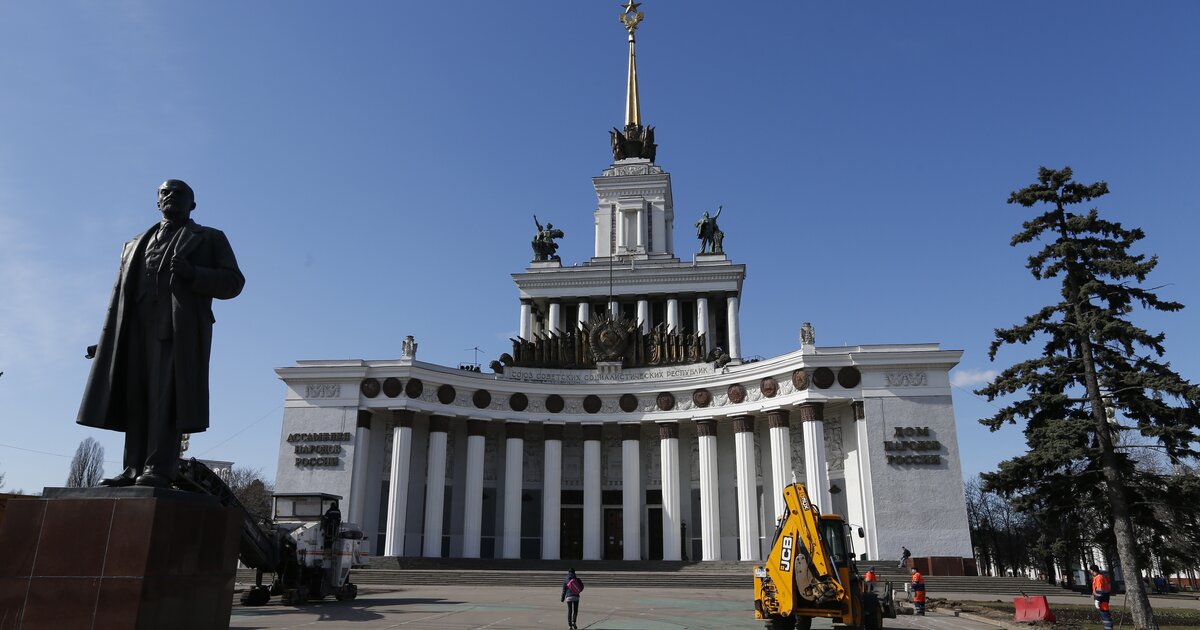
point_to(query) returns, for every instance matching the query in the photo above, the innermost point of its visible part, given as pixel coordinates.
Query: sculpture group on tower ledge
(610, 340)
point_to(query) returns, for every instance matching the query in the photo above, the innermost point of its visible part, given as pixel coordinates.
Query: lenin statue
(150, 376)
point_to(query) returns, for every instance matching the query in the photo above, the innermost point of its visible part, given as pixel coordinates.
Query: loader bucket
(1032, 609)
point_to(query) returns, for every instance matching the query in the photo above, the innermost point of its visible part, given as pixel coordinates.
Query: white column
(514, 453)
(585, 312)
(435, 487)
(812, 417)
(397, 508)
(358, 479)
(552, 492)
(473, 514)
(554, 326)
(865, 479)
(702, 322)
(526, 319)
(592, 533)
(668, 448)
(614, 308)
(672, 314)
(641, 228)
(735, 335)
(631, 490)
(710, 504)
(747, 488)
(643, 313)
(781, 456)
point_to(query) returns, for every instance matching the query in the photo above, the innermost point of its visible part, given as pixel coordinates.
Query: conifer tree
(1100, 377)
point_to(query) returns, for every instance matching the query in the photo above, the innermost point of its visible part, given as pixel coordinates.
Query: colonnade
(704, 318)
(810, 416)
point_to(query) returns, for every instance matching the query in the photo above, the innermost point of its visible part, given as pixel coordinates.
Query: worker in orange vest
(1101, 588)
(870, 579)
(918, 592)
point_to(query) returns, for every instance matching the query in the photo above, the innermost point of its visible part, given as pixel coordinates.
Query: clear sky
(376, 164)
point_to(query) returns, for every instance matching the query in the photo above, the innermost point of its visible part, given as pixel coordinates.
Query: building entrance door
(614, 532)
(654, 530)
(570, 536)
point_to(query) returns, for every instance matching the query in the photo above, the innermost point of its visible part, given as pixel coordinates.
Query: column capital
(439, 424)
(514, 430)
(364, 419)
(811, 411)
(778, 418)
(706, 427)
(403, 418)
(743, 424)
(668, 430)
(552, 431)
(631, 431)
(591, 432)
(476, 427)
(527, 301)
(860, 412)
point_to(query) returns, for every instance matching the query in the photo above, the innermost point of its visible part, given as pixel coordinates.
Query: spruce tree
(1101, 381)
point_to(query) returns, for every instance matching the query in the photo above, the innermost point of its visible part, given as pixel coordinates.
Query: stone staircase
(384, 571)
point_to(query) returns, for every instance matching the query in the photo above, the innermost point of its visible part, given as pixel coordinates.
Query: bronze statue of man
(150, 376)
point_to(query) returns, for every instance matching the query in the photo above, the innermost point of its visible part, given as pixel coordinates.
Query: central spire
(636, 141)
(633, 109)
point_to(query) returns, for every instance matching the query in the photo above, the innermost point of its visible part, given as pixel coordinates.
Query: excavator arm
(799, 565)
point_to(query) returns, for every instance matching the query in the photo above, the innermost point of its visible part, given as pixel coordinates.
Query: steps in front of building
(386, 571)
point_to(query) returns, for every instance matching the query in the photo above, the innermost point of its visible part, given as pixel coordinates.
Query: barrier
(1032, 609)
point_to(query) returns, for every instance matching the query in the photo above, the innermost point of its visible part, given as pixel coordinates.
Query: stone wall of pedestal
(138, 558)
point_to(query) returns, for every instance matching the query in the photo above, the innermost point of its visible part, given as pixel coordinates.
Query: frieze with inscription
(323, 390)
(906, 379)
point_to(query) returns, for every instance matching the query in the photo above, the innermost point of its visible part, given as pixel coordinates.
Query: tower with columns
(629, 456)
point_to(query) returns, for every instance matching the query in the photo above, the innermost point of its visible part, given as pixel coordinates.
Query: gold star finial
(631, 17)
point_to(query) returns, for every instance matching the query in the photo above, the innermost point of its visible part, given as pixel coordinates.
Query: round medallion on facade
(369, 387)
(446, 394)
(823, 377)
(628, 403)
(481, 398)
(769, 387)
(518, 402)
(554, 403)
(849, 377)
(800, 380)
(392, 387)
(591, 403)
(666, 401)
(701, 398)
(737, 393)
(414, 388)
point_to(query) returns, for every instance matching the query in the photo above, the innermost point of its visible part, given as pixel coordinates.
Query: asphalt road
(512, 607)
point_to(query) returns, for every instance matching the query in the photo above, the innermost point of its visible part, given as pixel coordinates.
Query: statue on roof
(544, 247)
(711, 237)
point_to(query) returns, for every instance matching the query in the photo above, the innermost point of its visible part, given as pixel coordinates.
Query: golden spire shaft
(631, 17)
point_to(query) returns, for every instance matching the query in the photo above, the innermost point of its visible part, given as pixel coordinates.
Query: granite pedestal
(118, 558)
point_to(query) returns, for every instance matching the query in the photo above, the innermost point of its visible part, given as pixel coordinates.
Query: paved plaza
(510, 607)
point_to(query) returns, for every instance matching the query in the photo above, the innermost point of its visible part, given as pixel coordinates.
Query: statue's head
(176, 200)
(549, 226)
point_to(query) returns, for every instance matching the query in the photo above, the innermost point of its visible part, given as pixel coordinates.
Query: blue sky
(376, 165)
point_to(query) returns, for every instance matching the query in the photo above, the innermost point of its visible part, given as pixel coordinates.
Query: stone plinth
(116, 558)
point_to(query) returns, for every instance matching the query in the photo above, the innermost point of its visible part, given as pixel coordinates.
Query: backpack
(575, 585)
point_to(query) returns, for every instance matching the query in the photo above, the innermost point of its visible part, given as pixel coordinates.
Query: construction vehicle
(811, 573)
(305, 544)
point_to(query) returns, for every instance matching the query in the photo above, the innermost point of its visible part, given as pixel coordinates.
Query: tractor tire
(872, 615)
(347, 593)
(787, 623)
(803, 623)
(256, 596)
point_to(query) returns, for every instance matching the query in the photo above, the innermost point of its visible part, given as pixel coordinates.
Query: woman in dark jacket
(572, 587)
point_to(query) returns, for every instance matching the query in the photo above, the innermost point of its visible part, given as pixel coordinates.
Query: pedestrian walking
(572, 587)
(918, 592)
(904, 556)
(1101, 589)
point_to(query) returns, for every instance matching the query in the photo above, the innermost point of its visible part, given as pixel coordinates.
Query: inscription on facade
(899, 448)
(322, 390)
(569, 377)
(327, 454)
(906, 379)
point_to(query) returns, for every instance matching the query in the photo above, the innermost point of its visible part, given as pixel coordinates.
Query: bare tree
(87, 467)
(252, 490)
